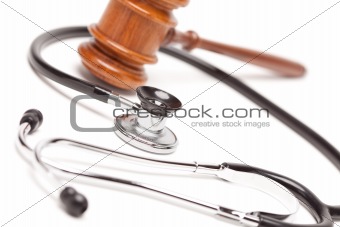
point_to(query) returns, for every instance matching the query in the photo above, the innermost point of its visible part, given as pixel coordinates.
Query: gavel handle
(190, 40)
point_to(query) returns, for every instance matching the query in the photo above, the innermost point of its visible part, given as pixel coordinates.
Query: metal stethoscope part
(143, 126)
(76, 204)
(147, 131)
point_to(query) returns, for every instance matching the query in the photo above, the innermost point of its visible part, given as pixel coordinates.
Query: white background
(256, 24)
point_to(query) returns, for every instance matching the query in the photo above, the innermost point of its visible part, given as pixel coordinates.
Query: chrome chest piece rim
(155, 138)
(145, 129)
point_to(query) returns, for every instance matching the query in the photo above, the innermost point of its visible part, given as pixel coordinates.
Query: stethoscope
(75, 203)
(322, 213)
(281, 188)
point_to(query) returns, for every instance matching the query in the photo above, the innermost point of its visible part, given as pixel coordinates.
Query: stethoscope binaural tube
(76, 204)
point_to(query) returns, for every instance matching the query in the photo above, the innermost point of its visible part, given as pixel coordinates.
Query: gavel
(130, 33)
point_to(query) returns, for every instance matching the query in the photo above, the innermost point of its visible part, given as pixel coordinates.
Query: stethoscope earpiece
(75, 203)
(145, 129)
(34, 118)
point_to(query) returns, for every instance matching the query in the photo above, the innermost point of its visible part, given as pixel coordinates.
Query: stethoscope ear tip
(34, 118)
(75, 203)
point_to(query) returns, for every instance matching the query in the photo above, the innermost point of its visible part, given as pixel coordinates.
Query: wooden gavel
(131, 31)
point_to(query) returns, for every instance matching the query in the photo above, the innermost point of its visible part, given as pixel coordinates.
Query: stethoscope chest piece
(145, 128)
(129, 130)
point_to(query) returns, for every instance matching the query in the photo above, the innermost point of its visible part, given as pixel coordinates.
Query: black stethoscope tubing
(322, 213)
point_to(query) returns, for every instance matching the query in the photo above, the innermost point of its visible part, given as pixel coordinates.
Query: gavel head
(127, 37)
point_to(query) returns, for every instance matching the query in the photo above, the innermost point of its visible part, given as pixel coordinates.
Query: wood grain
(190, 40)
(130, 32)
(128, 36)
